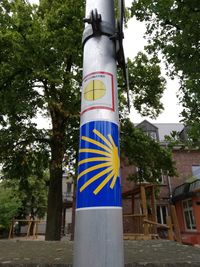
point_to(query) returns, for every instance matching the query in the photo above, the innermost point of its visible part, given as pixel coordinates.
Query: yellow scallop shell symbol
(95, 89)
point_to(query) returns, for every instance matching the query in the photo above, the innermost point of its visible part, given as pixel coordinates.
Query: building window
(196, 171)
(162, 213)
(189, 215)
(152, 134)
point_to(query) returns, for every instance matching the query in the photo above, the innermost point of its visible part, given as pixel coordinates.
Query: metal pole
(98, 227)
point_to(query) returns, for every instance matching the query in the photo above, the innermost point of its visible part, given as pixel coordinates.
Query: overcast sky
(133, 43)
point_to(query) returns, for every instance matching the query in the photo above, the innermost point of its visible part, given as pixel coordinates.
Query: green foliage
(40, 61)
(146, 85)
(173, 27)
(142, 151)
(23, 172)
(32, 193)
(9, 206)
(38, 57)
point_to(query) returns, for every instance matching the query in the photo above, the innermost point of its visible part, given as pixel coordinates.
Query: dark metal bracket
(95, 20)
(97, 27)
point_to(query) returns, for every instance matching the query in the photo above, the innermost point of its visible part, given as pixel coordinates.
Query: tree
(32, 192)
(41, 56)
(142, 151)
(173, 29)
(9, 206)
(146, 85)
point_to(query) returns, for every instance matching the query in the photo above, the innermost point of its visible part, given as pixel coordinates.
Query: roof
(168, 128)
(162, 128)
(146, 122)
(186, 190)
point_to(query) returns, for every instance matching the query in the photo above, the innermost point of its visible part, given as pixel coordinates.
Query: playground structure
(142, 222)
(32, 227)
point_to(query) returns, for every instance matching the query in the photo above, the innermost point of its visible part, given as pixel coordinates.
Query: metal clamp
(96, 27)
(95, 20)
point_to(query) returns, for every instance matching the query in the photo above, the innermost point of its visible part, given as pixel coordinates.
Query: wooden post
(144, 207)
(34, 229)
(153, 204)
(143, 199)
(36, 232)
(133, 204)
(176, 225)
(153, 208)
(134, 220)
(29, 228)
(11, 230)
(170, 230)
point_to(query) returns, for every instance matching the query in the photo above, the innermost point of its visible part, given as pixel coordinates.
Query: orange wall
(189, 237)
(196, 208)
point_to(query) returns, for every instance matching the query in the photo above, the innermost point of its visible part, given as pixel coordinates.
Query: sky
(133, 43)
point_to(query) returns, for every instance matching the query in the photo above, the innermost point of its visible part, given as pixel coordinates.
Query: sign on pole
(98, 227)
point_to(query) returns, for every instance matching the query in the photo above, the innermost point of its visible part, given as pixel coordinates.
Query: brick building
(186, 198)
(187, 164)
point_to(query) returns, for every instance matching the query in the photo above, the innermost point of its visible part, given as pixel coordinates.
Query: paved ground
(137, 253)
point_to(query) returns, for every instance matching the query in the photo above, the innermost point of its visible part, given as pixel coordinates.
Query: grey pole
(98, 226)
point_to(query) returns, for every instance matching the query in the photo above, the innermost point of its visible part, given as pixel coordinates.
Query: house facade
(186, 198)
(187, 162)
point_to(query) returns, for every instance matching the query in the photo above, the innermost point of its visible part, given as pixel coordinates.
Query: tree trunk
(73, 213)
(54, 208)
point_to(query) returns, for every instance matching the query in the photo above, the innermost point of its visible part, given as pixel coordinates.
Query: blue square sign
(98, 182)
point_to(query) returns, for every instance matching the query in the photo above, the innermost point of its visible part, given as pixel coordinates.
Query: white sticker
(98, 91)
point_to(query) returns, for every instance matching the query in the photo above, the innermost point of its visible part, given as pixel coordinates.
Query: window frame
(160, 206)
(188, 210)
(193, 171)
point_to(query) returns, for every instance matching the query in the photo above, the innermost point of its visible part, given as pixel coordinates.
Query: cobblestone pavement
(137, 253)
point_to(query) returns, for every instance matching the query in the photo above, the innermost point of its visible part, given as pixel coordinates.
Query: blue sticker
(98, 182)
